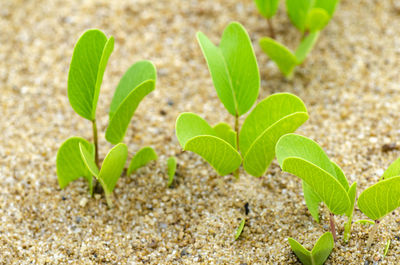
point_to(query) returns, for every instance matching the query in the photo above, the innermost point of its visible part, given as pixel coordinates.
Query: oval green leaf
(298, 11)
(89, 161)
(312, 200)
(112, 167)
(317, 19)
(137, 82)
(233, 67)
(141, 158)
(306, 46)
(273, 117)
(328, 5)
(225, 132)
(240, 228)
(381, 198)
(220, 154)
(267, 8)
(280, 54)
(304, 158)
(86, 71)
(393, 170)
(70, 165)
(189, 125)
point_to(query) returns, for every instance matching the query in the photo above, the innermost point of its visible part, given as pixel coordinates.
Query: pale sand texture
(350, 84)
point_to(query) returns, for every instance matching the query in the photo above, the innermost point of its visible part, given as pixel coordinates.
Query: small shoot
(364, 222)
(268, 8)
(320, 252)
(239, 230)
(111, 169)
(171, 168)
(323, 180)
(285, 59)
(141, 158)
(381, 198)
(310, 15)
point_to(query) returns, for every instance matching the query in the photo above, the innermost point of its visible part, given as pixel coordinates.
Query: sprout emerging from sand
(323, 180)
(77, 157)
(234, 71)
(268, 9)
(381, 198)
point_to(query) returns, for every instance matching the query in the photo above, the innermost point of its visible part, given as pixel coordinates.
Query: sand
(350, 84)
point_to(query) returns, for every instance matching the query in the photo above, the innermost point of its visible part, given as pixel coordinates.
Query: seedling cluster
(267, 131)
(308, 16)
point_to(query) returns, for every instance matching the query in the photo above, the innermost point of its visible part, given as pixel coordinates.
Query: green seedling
(310, 15)
(268, 9)
(381, 198)
(323, 180)
(239, 230)
(171, 168)
(234, 71)
(141, 158)
(77, 157)
(365, 222)
(285, 59)
(320, 252)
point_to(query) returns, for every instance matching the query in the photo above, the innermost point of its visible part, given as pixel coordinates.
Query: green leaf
(112, 167)
(306, 46)
(171, 164)
(312, 201)
(273, 117)
(340, 176)
(319, 253)
(328, 5)
(298, 11)
(86, 71)
(365, 222)
(304, 158)
(267, 8)
(137, 82)
(196, 135)
(225, 132)
(189, 125)
(88, 159)
(141, 158)
(317, 19)
(240, 229)
(70, 165)
(381, 198)
(233, 68)
(352, 192)
(385, 251)
(221, 155)
(393, 170)
(280, 54)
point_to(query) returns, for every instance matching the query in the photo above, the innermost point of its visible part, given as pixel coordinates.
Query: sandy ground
(350, 84)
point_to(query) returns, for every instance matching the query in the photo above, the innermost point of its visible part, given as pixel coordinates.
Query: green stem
(347, 229)
(96, 152)
(236, 173)
(271, 28)
(332, 223)
(108, 199)
(372, 233)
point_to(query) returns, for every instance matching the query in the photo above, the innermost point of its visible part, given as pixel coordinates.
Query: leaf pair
(310, 15)
(383, 197)
(323, 180)
(89, 61)
(320, 252)
(267, 8)
(273, 117)
(285, 59)
(75, 159)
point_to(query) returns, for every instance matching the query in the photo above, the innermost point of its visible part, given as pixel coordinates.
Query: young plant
(381, 198)
(240, 228)
(284, 58)
(171, 168)
(320, 252)
(141, 158)
(323, 180)
(234, 71)
(310, 15)
(268, 9)
(77, 157)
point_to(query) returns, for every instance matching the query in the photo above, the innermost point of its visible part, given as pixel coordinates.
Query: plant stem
(347, 229)
(372, 233)
(332, 223)
(108, 199)
(271, 28)
(236, 173)
(95, 141)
